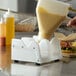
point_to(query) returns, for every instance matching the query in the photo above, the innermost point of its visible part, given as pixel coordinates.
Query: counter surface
(10, 68)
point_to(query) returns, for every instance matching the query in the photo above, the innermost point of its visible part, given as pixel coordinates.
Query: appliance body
(29, 49)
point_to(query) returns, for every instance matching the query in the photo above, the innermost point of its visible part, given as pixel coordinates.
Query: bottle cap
(8, 14)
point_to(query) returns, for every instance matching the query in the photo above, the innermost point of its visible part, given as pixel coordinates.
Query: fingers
(72, 22)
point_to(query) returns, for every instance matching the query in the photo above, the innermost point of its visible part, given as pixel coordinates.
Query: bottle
(2, 33)
(10, 29)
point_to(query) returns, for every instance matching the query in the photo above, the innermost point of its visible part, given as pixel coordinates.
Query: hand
(72, 22)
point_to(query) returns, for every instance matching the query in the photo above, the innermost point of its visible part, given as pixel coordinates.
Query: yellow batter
(48, 22)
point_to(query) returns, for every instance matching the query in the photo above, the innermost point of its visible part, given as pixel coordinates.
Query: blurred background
(24, 6)
(28, 7)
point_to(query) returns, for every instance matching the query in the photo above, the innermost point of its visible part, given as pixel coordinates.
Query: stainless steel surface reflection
(32, 70)
(52, 69)
(5, 59)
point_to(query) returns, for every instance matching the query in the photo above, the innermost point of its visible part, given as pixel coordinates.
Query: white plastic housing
(29, 50)
(54, 6)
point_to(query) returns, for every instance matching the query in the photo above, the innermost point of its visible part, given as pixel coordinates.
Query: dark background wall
(27, 6)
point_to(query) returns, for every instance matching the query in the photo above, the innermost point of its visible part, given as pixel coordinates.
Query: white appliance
(29, 49)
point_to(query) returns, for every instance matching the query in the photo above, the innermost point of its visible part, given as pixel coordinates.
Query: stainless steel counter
(51, 69)
(10, 68)
(25, 34)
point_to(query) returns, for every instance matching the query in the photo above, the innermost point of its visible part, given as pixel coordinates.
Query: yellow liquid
(10, 30)
(2, 34)
(2, 30)
(48, 22)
